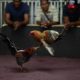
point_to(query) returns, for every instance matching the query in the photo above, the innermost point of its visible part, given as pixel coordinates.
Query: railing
(33, 5)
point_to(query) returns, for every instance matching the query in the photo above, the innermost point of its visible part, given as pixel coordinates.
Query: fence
(33, 5)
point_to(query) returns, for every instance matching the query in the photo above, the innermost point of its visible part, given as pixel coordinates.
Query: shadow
(45, 69)
(66, 68)
(27, 70)
(18, 70)
(41, 69)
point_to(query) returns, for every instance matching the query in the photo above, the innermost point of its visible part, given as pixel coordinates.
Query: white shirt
(52, 14)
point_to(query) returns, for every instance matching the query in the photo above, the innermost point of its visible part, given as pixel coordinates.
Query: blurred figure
(71, 14)
(17, 14)
(46, 14)
(45, 38)
(48, 36)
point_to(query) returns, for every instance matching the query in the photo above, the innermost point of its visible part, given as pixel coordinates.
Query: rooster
(22, 56)
(45, 38)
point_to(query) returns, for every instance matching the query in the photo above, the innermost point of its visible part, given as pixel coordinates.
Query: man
(46, 14)
(45, 38)
(17, 14)
(71, 14)
(17, 19)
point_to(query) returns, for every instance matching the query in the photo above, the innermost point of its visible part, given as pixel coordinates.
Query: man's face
(17, 3)
(44, 5)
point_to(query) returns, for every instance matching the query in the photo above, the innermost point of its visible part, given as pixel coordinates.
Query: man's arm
(9, 22)
(66, 21)
(26, 16)
(68, 24)
(23, 23)
(26, 20)
(7, 19)
(7, 15)
(77, 23)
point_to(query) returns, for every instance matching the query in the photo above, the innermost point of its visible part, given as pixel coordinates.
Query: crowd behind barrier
(33, 5)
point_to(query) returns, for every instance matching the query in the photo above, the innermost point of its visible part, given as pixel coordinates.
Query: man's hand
(16, 25)
(44, 24)
(70, 25)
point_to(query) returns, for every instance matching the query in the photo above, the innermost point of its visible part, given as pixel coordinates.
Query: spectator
(46, 14)
(17, 14)
(17, 17)
(71, 14)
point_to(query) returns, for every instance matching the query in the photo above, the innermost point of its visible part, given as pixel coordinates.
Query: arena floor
(40, 68)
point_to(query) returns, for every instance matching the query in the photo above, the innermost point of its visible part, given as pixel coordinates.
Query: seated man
(17, 18)
(71, 14)
(46, 14)
(17, 14)
(45, 38)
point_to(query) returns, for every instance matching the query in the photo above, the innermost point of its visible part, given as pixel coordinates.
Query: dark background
(68, 46)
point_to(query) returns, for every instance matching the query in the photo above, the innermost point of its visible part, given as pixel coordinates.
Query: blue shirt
(17, 14)
(73, 16)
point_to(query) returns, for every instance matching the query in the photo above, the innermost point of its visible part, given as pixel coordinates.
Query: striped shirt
(52, 14)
